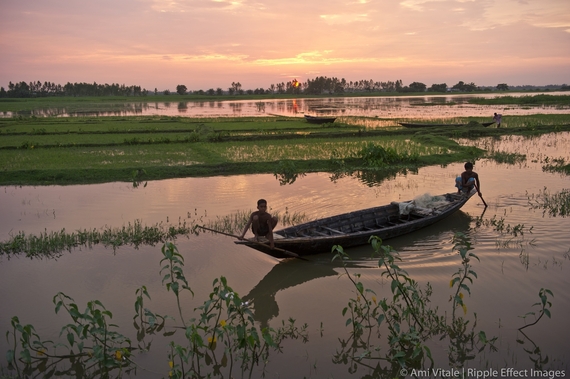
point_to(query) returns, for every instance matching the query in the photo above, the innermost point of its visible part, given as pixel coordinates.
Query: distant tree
(464, 87)
(219, 91)
(3, 92)
(211, 92)
(181, 89)
(502, 87)
(236, 88)
(438, 88)
(166, 92)
(155, 91)
(417, 87)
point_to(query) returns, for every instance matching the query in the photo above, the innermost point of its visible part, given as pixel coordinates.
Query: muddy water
(422, 107)
(511, 272)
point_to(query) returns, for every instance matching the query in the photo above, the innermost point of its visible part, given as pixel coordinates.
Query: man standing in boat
(467, 180)
(262, 223)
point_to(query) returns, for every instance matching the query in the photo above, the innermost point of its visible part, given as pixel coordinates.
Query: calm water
(511, 272)
(424, 107)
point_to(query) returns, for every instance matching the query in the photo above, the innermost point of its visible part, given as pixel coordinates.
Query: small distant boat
(356, 228)
(412, 125)
(319, 120)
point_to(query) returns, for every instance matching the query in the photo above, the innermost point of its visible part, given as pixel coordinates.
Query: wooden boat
(412, 125)
(356, 228)
(319, 120)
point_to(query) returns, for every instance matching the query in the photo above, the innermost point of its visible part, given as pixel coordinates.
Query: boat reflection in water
(424, 245)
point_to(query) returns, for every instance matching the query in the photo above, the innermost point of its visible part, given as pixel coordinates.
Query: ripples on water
(511, 272)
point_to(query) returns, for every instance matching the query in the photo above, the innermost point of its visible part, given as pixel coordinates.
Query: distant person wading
(497, 118)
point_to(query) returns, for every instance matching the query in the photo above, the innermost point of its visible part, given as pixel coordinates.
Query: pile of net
(425, 204)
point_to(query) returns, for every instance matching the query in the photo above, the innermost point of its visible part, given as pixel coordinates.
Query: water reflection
(286, 274)
(416, 107)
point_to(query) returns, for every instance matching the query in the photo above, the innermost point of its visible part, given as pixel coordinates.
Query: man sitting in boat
(262, 223)
(467, 180)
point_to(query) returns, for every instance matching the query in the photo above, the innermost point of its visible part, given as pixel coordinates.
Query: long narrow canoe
(356, 228)
(319, 120)
(412, 125)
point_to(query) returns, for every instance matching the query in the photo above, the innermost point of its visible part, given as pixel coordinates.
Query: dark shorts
(262, 231)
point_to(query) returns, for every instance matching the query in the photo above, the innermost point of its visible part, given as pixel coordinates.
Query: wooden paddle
(286, 252)
(481, 196)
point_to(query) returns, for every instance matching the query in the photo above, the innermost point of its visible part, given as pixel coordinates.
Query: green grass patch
(540, 99)
(89, 150)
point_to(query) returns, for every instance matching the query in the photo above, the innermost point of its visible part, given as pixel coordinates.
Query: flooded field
(522, 248)
(415, 107)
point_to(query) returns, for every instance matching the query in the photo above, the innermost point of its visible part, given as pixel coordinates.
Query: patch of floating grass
(508, 158)
(557, 204)
(540, 99)
(51, 244)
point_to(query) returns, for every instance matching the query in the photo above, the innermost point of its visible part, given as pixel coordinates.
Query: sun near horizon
(211, 43)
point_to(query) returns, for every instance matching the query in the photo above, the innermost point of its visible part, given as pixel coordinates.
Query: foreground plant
(544, 305)
(407, 318)
(92, 346)
(221, 339)
(555, 204)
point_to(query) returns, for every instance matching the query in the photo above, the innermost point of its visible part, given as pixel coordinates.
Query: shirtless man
(262, 223)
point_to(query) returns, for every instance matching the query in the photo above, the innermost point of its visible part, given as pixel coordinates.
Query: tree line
(333, 86)
(321, 85)
(39, 89)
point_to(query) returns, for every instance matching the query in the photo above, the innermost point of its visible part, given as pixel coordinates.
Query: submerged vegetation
(51, 244)
(553, 204)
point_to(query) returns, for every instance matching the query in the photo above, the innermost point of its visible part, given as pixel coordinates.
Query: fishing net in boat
(424, 204)
(428, 201)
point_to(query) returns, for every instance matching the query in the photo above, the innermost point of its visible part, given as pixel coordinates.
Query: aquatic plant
(287, 173)
(462, 244)
(92, 346)
(557, 204)
(221, 339)
(53, 244)
(508, 158)
(544, 305)
(407, 327)
(557, 165)
(407, 317)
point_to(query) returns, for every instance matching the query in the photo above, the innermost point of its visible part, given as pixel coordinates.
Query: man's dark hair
(261, 201)
(469, 166)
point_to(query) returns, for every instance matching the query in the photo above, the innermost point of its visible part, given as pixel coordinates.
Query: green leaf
(71, 339)
(25, 354)
(10, 356)
(394, 285)
(547, 312)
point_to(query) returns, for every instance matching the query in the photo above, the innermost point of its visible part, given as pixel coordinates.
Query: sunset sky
(211, 43)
